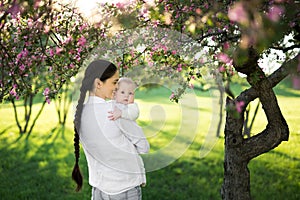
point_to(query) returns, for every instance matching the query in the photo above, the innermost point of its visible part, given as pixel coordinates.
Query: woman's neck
(96, 95)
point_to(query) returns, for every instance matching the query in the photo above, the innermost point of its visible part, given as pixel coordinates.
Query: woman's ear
(98, 83)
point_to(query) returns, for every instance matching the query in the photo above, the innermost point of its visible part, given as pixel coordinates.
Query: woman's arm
(135, 134)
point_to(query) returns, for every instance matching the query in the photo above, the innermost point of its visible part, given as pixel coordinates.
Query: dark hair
(103, 70)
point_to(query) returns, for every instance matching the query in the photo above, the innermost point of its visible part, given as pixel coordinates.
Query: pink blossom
(83, 26)
(51, 52)
(30, 22)
(119, 64)
(239, 106)
(14, 10)
(237, 13)
(27, 43)
(222, 69)
(77, 57)
(155, 23)
(174, 52)
(81, 41)
(150, 64)
(154, 49)
(172, 95)
(132, 53)
(179, 68)
(22, 67)
(192, 86)
(13, 90)
(58, 50)
(164, 48)
(37, 4)
(119, 5)
(68, 39)
(48, 100)
(79, 50)
(46, 92)
(71, 66)
(46, 29)
(226, 45)
(275, 12)
(19, 56)
(224, 58)
(25, 52)
(206, 5)
(198, 11)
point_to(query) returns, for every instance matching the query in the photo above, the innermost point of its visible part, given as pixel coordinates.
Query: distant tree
(43, 44)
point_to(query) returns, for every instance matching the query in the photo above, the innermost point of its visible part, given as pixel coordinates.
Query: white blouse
(113, 158)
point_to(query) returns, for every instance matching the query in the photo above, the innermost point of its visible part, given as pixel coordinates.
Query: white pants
(132, 194)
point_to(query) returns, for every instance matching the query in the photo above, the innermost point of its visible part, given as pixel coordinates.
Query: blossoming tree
(235, 36)
(43, 44)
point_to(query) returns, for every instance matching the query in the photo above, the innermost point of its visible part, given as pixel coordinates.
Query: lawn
(40, 168)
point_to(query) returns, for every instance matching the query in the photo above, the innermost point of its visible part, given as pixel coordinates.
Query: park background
(40, 168)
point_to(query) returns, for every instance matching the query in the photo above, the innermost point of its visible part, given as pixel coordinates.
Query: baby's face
(124, 93)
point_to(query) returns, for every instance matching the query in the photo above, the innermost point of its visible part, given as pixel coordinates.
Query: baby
(124, 101)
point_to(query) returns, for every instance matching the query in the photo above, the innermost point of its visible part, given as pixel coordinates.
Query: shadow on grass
(6, 129)
(39, 168)
(185, 179)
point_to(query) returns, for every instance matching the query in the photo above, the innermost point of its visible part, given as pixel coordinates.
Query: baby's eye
(130, 93)
(122, 92)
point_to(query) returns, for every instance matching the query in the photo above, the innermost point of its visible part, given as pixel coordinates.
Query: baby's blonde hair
(127, 80)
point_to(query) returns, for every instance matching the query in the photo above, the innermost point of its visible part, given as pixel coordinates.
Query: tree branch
(277, 128)
(286, 68)
(286, 49)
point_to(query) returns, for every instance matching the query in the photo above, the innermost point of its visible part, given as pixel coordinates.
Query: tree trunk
(27, 106)
(236, 174)
(62, 104)
(239, 150)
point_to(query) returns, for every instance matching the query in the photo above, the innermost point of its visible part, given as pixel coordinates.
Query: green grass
(40, 168)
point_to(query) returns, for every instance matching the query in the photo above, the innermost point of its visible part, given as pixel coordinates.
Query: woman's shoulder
(98, 103)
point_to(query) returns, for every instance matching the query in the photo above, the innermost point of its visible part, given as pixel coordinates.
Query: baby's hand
(131, 98)
(115, 114)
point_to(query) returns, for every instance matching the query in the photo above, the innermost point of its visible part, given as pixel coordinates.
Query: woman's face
(109, 85)
(105, 89)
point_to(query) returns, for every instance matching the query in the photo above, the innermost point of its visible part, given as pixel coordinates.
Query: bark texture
(239, 150)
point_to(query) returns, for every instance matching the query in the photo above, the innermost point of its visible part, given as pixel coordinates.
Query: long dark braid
(97, 69)
(76, 174)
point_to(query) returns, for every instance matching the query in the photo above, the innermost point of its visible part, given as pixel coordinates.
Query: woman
(116, 170)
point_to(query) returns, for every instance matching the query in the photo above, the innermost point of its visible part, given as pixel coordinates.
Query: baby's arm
(131, 112)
